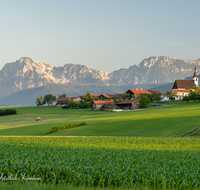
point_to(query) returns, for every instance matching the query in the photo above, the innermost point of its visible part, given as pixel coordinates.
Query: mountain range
(26, 73)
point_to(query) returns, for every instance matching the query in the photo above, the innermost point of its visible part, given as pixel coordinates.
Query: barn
(128, 104)
(97, 104)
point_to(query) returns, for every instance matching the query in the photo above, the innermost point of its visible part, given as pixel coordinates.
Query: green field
(135, 149)
(103, 161)
(162, 121)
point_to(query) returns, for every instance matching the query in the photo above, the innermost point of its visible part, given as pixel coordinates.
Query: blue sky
(103, 34)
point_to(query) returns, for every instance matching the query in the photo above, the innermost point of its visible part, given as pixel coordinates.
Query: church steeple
(195, 77)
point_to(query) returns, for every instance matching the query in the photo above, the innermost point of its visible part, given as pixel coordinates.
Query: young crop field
(103, 161)
(131, 149)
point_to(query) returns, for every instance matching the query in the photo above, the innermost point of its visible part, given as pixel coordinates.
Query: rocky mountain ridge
(26, 73)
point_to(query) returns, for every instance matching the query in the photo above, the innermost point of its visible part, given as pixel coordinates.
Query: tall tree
(134, 96)
(125, 95)
(171, 94)
(88, 97)
(194, 93)
(49, 99)
(157, 96)
(144, 102)
(39, 101)
(62, 96)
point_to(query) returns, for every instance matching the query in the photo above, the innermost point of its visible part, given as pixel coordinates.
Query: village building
(164, 97)
(140, 92)
(110, 96)
(181, 93)
(185, 84)
(182, 86)
(64, 101)
(128, 104)
(97, 104)
(94, 96)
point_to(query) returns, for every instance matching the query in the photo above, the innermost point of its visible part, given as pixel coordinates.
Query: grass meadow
(165, 121)
(138, 149)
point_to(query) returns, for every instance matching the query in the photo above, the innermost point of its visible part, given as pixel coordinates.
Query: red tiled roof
(115, 95)
(139, 91)
(103, 102)
(128, 101)
(73, 98)
(112, 95)
(63, 99)
(93, 95)
(180, 90)
(106, 95)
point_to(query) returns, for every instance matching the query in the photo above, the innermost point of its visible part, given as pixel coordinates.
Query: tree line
(144, 100)
(48, 99)
(193, 95)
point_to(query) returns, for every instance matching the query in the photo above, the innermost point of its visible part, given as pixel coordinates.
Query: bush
(86, 105)
(68, 126)
(8, 112)
(144, 102)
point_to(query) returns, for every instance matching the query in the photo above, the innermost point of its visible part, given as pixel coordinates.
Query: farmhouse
(111, 96)
(128, 104)
(140, 92)
(94, 96)
(64, 100)
(97, 104)
(181, 93)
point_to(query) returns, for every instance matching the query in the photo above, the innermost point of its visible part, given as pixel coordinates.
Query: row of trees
(193, 95)
(49, 99)
(171, 94)
(127, 96)
(82, 104)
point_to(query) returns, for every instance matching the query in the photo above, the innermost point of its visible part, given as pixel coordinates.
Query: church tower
(195, 77)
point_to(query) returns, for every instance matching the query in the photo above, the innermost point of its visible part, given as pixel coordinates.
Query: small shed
(97, 104)
(128, 104)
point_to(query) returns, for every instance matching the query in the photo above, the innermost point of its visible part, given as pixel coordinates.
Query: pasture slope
(134, 149)
(163, 121)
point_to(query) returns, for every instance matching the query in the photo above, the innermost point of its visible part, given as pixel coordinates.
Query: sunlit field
(136, 149)
(162, 121)
(104, 161)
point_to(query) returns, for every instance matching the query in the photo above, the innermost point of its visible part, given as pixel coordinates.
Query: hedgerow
(8, 112)
(68, 126)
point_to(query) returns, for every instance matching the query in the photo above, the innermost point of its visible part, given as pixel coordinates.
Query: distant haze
(105, 35)
(27, 73)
